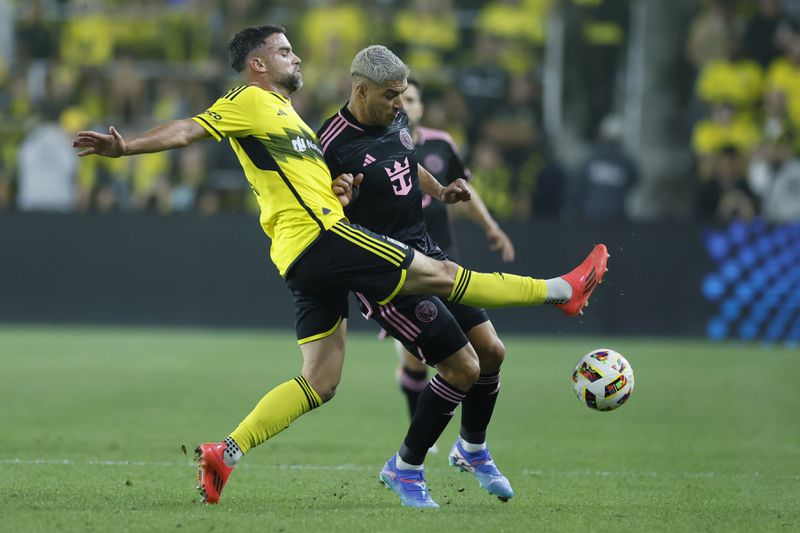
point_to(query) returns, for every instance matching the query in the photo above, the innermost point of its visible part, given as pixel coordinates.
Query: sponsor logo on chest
(400, 176)
(301, 145)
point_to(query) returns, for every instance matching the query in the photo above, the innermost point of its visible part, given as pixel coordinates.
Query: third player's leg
(412, 377)
(409, 361)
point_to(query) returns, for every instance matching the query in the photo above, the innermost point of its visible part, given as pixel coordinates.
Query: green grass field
(93, 421)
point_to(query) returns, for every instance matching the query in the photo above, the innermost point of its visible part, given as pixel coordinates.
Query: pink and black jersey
(437, 153)
(389, 200)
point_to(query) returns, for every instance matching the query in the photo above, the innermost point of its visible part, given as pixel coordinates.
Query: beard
(292, 82)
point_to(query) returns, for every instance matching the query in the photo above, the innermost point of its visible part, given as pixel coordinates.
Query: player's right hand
(111, 145)
(344, 185)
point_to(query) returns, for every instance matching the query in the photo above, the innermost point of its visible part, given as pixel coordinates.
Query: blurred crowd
(746, 112)
(67, 65)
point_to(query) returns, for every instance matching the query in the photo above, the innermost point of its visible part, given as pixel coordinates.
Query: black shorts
(344, 258)
(467, 317)
(427, 327)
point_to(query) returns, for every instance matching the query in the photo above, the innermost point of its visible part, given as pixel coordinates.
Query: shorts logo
(405, 138)
(426, 311)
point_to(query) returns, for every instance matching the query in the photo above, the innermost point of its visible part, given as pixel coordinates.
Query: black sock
(412, 383)
(434, 410)
(477, 408)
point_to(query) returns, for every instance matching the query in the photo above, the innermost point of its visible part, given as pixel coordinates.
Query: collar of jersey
(283, 99)
(349, 117)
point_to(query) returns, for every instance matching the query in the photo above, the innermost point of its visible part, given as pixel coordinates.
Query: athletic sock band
(275, 412)
(435, 408)
(496, 289)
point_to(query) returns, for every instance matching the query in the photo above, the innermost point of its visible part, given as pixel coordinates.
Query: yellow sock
(481, 289)
(276, 410)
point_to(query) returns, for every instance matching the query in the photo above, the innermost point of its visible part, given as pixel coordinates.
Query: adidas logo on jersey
(281, 113)
(368, 160)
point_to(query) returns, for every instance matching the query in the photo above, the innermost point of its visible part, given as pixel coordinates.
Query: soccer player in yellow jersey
(317, 251)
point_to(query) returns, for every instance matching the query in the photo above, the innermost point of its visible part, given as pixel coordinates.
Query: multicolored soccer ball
(603, 380)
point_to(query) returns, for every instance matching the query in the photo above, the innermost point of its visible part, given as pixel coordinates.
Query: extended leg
(322, 370)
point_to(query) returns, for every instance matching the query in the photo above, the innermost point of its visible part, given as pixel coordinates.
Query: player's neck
(415, 134)
(268, 86)
(358, 112)
(276, 89)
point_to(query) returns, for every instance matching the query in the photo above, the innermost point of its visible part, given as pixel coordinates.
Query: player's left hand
(498, 240)
(344, 185)
(458, 191)
(111, 145)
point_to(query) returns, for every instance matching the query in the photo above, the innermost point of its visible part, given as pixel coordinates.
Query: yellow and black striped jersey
(283, 163)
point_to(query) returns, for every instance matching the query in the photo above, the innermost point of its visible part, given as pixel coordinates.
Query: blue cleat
(408, 484)
(481, 464)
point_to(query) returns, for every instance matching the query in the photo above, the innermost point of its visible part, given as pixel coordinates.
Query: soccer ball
(603, 380)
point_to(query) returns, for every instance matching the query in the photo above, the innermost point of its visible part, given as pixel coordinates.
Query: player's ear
(257, 64)
(361, 90)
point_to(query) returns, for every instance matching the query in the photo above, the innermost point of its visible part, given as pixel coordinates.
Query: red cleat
(583, 280)
(212, 472)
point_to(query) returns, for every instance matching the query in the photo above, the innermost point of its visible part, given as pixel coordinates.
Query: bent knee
(461, 370)
(325, 388)
(430, 276)
(472, 371)
(328, 393)
(492, 355)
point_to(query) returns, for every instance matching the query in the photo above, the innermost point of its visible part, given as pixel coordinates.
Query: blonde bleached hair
(379, 64)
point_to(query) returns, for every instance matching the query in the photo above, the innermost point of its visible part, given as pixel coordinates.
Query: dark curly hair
(248, 40)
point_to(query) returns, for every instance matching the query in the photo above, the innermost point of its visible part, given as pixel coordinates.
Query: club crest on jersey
(433, 163)
(400, 174)
(405, 138)
(426, 311)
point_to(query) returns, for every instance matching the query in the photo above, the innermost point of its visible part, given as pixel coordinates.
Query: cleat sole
(201, 490)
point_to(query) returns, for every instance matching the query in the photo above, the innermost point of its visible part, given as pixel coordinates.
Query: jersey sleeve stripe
(237, 92)
(332, 126)
(339, 129)
(227, 94)
(348, 122)
(207, 125)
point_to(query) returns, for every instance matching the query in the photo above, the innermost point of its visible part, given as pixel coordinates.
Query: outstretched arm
(455, 192)
(498, 240)
(173, 134)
